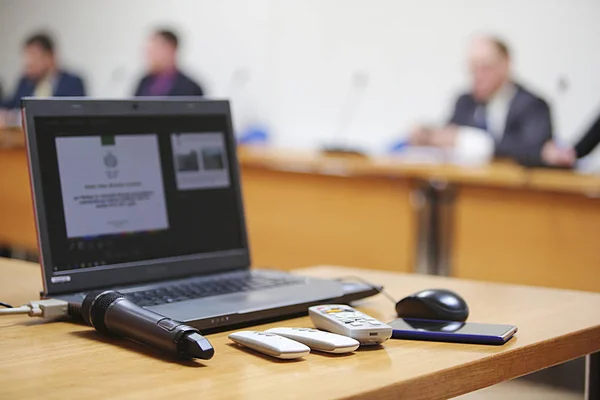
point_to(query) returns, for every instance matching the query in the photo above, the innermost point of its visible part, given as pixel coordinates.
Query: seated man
(497, 115)
(164, 78)
(558, 156)
(42, 77)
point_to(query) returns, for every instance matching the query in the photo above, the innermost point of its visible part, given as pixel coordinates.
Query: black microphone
(111, 313)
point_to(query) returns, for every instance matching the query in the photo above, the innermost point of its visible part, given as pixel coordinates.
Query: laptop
(143, 196)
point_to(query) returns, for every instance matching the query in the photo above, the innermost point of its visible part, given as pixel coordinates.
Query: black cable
(372, 286)
(5, 305)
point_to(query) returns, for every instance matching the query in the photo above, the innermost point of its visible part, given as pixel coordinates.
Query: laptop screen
(124, 189)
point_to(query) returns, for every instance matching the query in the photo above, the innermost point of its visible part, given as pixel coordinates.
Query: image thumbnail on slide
(200, 160)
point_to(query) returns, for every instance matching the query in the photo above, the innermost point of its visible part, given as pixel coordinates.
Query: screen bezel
(147, 270)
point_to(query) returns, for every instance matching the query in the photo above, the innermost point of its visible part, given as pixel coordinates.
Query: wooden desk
(64, 360)
(305, 209)
(11, 138)
(528, 236)
(17, 227)
(560, 181)
(339, 212)
(500, 174)
(508, 224)
(542, 233)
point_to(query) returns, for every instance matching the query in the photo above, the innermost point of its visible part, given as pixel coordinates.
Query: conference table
(17, 227)
(63, 360)
(499, 222)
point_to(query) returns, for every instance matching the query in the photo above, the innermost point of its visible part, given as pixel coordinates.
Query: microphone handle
(129, 320)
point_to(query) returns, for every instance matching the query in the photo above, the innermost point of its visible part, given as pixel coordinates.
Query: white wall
(292, 64)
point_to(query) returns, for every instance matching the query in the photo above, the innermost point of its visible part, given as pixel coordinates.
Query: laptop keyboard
(210, 287)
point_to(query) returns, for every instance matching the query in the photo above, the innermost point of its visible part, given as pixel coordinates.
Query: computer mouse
(437, 304)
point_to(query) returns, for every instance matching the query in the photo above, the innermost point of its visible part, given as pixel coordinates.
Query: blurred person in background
(566, 156)
(497, 117)
(42, 76)
(163, 76)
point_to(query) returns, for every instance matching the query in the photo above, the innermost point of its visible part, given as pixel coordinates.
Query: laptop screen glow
(126, 189)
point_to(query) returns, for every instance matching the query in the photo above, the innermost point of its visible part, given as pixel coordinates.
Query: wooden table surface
(496, 174)
(296, 219)
(503, 174)
(12, 137)
(16, 208)
(64, 360)
(507, 223)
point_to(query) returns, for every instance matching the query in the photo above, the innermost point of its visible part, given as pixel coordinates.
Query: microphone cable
(379, 289)
(46, 309)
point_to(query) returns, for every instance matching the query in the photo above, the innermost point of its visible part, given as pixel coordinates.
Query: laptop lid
(133, 191)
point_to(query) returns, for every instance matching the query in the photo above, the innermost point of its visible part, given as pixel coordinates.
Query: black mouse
(437, 304)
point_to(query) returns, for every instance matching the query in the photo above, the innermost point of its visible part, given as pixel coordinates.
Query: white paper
(111, 188)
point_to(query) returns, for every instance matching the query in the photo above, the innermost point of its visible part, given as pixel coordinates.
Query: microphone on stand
(350, 106)
(111, 313)
(248, 132)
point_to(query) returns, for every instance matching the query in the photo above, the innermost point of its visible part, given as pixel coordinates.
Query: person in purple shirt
(163, 77)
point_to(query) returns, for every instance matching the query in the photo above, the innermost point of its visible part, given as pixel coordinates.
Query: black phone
(451, 331)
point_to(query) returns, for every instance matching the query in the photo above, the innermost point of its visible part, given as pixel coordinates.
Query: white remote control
(270, 344)
(347, 321)
(319, 340)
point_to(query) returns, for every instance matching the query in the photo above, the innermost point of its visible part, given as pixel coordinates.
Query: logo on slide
(111, 161)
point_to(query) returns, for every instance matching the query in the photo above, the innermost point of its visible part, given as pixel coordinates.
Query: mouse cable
(5, 305)
(379, 290)
(47, 309)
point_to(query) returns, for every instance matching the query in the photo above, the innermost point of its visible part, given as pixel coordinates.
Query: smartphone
(450, 331)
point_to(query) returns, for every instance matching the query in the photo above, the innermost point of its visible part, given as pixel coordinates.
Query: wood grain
(299, 219)
(527, 236)
(12, 138)
(304, 208)
(64, 360)
(564, 182)
(500, 174)
(17, 227)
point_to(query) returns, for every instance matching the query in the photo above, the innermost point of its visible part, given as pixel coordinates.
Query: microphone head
(94, 306)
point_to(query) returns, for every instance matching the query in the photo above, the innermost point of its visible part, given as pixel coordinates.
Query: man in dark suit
(42, 77)
(164, 78)
(498, 115)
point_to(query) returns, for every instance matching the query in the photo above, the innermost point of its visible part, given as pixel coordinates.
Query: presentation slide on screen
(200, 160)
(111, 184)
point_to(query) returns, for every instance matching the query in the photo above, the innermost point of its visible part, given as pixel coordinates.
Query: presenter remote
(345, 320)
(319, 340)
(270, 344)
